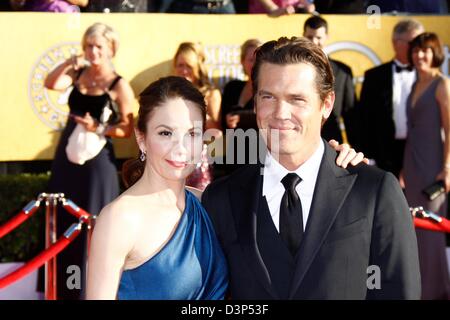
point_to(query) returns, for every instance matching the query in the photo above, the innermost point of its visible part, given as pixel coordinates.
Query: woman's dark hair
(154, 96)
(427, 40)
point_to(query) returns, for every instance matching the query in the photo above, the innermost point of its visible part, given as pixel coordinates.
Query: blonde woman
(189, 62)
(93, 184)
(238, 94)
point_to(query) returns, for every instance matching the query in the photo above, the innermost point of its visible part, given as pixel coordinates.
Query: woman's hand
(77, 62)
(87, 121)
(401, 179)
(307, 6)
(232, 120)
(444, 175)
(282, 11)
(347, 155)
(64, 74)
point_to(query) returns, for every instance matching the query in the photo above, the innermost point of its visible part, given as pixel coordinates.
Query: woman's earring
(143, 156)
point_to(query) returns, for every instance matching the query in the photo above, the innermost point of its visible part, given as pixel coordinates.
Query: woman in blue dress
(155, 241)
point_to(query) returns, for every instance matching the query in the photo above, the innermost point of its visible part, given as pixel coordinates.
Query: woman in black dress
(93, 184)
(237, 100)
(237, 94)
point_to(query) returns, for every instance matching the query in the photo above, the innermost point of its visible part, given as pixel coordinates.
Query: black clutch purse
(434, 190)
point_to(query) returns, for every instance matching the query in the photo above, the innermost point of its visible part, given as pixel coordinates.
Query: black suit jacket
(343, 105)
(358, 217)
(377, 109)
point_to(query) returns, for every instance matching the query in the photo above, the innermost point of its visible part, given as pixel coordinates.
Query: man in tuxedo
(315, 29)
(297, 226)
(383, 101)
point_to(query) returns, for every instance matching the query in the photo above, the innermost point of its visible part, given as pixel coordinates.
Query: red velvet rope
(19, 218)
(443, 226)
(39, 260)
(64, 241)
(50, 252)
(75, 210)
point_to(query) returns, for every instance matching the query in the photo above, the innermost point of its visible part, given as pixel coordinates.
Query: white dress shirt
(402, 85)
(273, 189)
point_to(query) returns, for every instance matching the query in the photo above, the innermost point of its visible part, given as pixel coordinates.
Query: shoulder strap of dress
(79, 74)
(436, 82)
(114, 82)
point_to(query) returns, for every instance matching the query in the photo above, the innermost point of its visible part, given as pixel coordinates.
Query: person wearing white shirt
(297, 225)
(383, 102)
(273, 190)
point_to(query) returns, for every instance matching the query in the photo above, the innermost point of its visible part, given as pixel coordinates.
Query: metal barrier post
(51, 203)
(53, 245)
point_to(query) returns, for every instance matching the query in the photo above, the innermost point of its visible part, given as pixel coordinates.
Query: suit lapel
(332, 187)
(245, 195)
(388, 87)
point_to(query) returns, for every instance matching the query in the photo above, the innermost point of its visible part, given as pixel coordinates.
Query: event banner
(34, 43)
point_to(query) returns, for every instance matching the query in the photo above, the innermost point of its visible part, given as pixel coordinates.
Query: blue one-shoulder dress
(191, 266)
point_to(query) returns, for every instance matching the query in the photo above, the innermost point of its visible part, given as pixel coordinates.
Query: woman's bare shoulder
(214, 93)
(122, 212)
(123, 84)
(443, 90)
(445, 82)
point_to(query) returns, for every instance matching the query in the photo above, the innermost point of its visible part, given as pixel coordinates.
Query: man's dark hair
(295, 50)
(315, 22)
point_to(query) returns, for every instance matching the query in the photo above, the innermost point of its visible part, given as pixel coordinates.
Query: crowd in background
(392, 123)
(272, 7)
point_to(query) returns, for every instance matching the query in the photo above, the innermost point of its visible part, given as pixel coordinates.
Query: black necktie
(291, 219)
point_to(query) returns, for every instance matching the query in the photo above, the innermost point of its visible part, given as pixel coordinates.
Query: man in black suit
(383, 102)
(315, 29)
(298, 226)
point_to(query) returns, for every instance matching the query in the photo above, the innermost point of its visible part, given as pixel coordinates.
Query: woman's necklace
(92, 85)
(97, 81)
